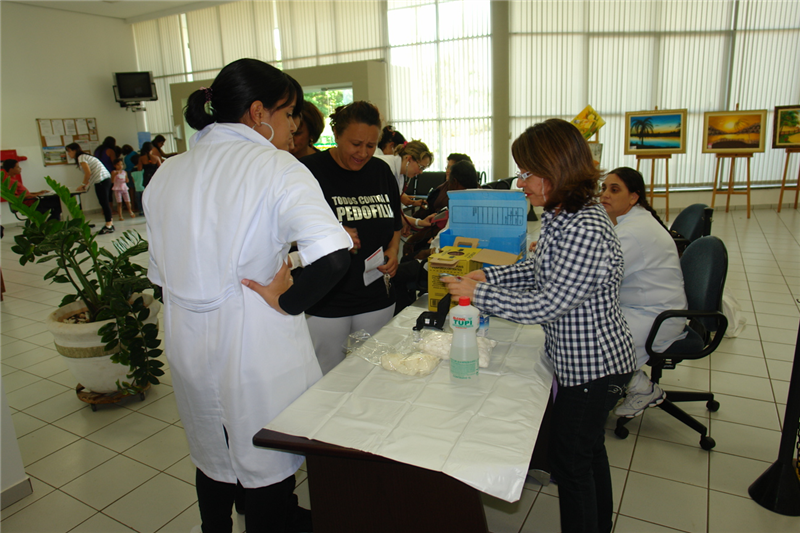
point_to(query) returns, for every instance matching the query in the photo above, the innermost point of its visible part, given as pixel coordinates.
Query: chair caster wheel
(712, 405)
(94, 407)
(707, 442)
(621, 432)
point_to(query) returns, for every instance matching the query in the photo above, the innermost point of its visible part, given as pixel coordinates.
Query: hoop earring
(272, 131)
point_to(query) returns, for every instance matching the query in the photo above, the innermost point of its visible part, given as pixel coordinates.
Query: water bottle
(464, 349)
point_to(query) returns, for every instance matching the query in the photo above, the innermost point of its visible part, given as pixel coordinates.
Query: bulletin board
(56, 133)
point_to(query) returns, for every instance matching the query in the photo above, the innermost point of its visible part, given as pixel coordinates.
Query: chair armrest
(719, 332)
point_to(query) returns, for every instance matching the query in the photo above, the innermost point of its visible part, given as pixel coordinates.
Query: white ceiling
(128, 10)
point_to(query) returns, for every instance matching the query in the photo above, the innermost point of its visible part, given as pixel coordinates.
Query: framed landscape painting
(786, 129)
(659, 132)
(734, 132)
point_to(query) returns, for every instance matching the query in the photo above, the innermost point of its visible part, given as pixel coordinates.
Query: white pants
(329, 335)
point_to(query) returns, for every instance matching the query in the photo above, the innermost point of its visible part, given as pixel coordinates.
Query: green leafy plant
(107, 283)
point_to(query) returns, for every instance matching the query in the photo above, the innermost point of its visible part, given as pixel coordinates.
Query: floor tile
(738, 364)
(780, 390)
(185, 521)
(18, 379)
(162, 450)
(25, 423)
(40, 490)
(101, 523)
(108, 482)
(686, 377)
(734, 474)
(766, 284)
(155, 393)
(741, 385)
(687, 464)
(776, 335)
(750, 332)
(42, 442)
(657, 424)
(746, 411)
(620, 451)
(544, 516)
(505, 517)
(739, 346)
(13, 349)
(777, 321)
(48, 367)
(626, 524)
(780, 370)
(30, 357)
(54, 512)
(774, 350)
(654, 499)
(163, 496)
(34, 393)
(733, 514)
(27, 331)
(127, 432)
(772, 297)
(186, 471)
(70, 462)
(745, 441)
(57, 407)
(65, 378)
(164, 409)
(85, 421)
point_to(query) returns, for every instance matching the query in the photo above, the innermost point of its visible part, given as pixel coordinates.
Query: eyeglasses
(422, 168)
(523, 175)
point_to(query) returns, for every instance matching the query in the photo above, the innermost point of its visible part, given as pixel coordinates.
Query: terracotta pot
(84, 350)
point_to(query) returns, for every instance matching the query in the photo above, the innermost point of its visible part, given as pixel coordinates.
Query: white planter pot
(82, 347)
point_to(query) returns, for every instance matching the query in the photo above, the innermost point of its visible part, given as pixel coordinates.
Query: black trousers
(268, 509)
(103, 190)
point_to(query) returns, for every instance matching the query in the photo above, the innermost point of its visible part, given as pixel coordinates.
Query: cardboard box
(459, 261)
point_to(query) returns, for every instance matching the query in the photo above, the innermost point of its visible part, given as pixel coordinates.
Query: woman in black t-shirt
(362, 193)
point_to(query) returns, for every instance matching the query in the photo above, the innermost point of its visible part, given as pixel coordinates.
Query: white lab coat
(224, 211)
(653, 280)
(395, 162)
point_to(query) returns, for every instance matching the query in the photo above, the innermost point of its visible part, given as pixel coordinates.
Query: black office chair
(691, 224)
(427, 181)
(705, 266)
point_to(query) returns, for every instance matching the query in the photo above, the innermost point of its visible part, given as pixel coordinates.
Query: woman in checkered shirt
(571, 287)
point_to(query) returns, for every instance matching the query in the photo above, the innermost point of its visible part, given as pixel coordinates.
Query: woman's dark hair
(465, 174)
(8, 164)
(314, 121)
(146, 148)
(556, 151)
(236, 87)
(159, 139)
(75, 147)
(126, 149)
(390, 135)
(360, 111)
(455, 158)
(117, 160)
(109, 142)
(634, 182)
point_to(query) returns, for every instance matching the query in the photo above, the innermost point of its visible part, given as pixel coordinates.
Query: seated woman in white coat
(239, 356)
(408, 161)
(653, 279)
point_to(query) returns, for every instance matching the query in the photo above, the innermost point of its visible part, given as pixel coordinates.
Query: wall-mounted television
(134, 87)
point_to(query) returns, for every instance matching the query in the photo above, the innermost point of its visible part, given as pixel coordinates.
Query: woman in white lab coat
(218, 216)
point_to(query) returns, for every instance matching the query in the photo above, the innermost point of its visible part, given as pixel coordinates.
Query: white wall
(57, 64)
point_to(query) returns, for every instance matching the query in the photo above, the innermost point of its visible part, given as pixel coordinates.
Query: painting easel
(796, 186)
(730, 190)
(652, 195)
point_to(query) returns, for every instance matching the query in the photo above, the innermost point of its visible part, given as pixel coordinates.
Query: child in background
(120, 188)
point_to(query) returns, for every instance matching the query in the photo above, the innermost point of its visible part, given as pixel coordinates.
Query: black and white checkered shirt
(570, 287)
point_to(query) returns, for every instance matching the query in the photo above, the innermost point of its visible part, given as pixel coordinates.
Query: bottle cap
(463, 300)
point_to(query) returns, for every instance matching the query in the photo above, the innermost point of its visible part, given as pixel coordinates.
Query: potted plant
(108, 292)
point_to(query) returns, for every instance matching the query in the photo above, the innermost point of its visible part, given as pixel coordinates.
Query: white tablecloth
(481, 434)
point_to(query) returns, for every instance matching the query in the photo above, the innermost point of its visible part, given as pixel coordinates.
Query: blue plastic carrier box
(498, 218)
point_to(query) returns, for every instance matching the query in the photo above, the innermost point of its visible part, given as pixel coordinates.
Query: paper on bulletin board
(58, 126)
(54, 156)
(69, 128)
(52, 140)
(80, 124)
(45, 127)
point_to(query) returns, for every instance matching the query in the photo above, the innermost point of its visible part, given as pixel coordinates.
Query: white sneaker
(635, 403)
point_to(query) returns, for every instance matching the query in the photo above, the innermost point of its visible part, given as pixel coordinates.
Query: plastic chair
(691, 224)
(705, 266)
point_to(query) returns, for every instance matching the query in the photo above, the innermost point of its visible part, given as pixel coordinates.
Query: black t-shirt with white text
(367, 200)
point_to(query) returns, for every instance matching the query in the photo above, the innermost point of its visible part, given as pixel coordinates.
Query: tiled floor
(126, 468)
